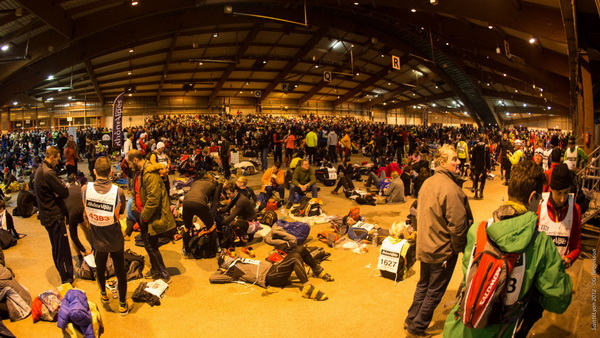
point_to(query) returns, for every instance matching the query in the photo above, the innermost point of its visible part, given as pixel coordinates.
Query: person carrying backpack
(511, 232)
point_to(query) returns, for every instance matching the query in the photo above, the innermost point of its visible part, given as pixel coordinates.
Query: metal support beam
(567, 9)
(52, 14)
(422, 100)
(319, 34)
(94, 80)
(243, 48)
(166, 66)
(362, 86)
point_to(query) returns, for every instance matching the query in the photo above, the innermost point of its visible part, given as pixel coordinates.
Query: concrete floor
(361, 302)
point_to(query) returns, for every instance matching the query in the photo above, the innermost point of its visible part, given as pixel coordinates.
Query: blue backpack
(300, 230)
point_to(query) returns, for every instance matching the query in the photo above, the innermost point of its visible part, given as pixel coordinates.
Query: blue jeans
(293, 189)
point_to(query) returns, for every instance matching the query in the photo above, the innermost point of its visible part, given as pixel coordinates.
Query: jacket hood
(512, 232)
(153, 167)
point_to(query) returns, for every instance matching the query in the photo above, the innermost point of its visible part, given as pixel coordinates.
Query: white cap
(160, 145)
(518, 142)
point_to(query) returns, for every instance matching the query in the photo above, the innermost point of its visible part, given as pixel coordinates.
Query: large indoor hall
(301, 168)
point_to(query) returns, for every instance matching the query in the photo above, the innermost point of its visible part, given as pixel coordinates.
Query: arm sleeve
(553, 283)
(458, 220)
(234, 212)
(10, 225)
(295, 176)
(153, 196)
(220, 278)
(56, 185)
(313, 178)
(575, 237)
(266, 178)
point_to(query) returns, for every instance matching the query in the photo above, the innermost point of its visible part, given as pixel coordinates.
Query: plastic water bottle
(282, 213)
(374, 239)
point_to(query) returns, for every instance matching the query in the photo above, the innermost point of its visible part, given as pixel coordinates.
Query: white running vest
(100, 208)
(162, 159)
(571, 156)
(558, 231)
(390, 255)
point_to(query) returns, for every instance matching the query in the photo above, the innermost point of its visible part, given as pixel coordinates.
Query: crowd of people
(537, 167)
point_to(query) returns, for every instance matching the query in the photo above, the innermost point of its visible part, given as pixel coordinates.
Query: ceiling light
(466, 113)
(129, 73)
(529, 113)
(507, 114)
(317, 66)
(50, 77)
(200, 63)
(490, 27)
(433, 104)
(516, 91)
(130, 50)
(264, 62)
(436, 87)
(241, 92)
(50, 99)
(129, 94)
(134, 2)
(447, 44)
(15, 103)
(549, 107)
(215, 35)
(504, 74)
(384, 103)
(356, 4)
(414, 94)
(389, 83)
(413, 10)
(5, 48)
(524, 104)
(453, 102)
(247, 83)
(70, 97)
(532, 40)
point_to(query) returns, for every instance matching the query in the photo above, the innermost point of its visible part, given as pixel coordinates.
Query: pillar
(585, 105)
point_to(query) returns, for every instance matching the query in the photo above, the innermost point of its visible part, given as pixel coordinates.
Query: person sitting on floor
(239, 212)
(264, 273)
(273, 180)
(26, 203)
(395, 190)
(6, 221)
(242, 187)
(303, 181)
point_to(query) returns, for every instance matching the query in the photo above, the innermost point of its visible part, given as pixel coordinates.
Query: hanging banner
(425, 116)
(118, 122)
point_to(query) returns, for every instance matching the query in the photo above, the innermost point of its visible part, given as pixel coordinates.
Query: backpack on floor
(87, 272)
(300, 230)
(308, 207)
(486, 285)
(267, 217)
(396, 258)
(203, 243)
(6, 239)
(134, 264)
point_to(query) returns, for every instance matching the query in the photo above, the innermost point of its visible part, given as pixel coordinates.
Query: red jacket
(574, 248)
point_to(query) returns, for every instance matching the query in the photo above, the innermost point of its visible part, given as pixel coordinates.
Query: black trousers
(119, 263)
(226, 167)
(61, 254)
(71, 169)
(152, 248)
(479, 177)
(345, 182)
(74, 220)
(431, 287)
(279, 274)
(191, 209)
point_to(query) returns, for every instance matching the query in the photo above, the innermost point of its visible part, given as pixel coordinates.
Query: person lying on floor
(264, 273)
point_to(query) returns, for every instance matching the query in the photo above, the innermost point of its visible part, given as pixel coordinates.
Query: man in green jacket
(539, 272)
(152, 208)
(303, 181)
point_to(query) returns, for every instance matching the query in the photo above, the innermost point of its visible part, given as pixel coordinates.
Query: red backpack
(486, 282)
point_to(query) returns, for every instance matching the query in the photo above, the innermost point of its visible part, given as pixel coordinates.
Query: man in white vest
(575, 157)
(560, 218)
(104, 203)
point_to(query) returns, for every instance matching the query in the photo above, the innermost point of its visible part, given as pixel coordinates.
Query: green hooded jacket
(544, 269)
(155, 199)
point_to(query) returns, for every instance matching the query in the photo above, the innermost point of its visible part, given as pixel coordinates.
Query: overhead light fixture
(524, 104)
(247, 83)
(70, 97)
(129, 94)
(5, 47)
(130, 50)
(241, 92)
(413, 10)
(385, 103)
(389, 83)
(129, 73)
(532, 40)
(356, 4)
(215, 35)
(50, 77)
(50, 99)
(15, 103)
(200, 63)
(134, 2)
(504, 74)
(447, 44)
(357, 74)
(549, 107)
(414, 107)
(490, 27)
(265, 62)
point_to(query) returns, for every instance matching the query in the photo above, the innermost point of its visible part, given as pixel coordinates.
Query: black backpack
(205, 245)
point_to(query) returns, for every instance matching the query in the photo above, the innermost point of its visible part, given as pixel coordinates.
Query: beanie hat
(561, 177)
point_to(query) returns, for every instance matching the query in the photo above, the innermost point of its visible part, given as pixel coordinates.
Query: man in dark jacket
(444, 217)
(241, 211)
(480, 164)
(50, 193)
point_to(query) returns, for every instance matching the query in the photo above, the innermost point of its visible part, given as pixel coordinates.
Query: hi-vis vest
(571, 156)
(100, 208)
(461, 149)
(558, 231)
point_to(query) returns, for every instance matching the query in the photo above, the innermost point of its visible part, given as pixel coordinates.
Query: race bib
(389, 256)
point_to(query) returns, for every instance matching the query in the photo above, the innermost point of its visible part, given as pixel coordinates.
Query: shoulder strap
(481, 237)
